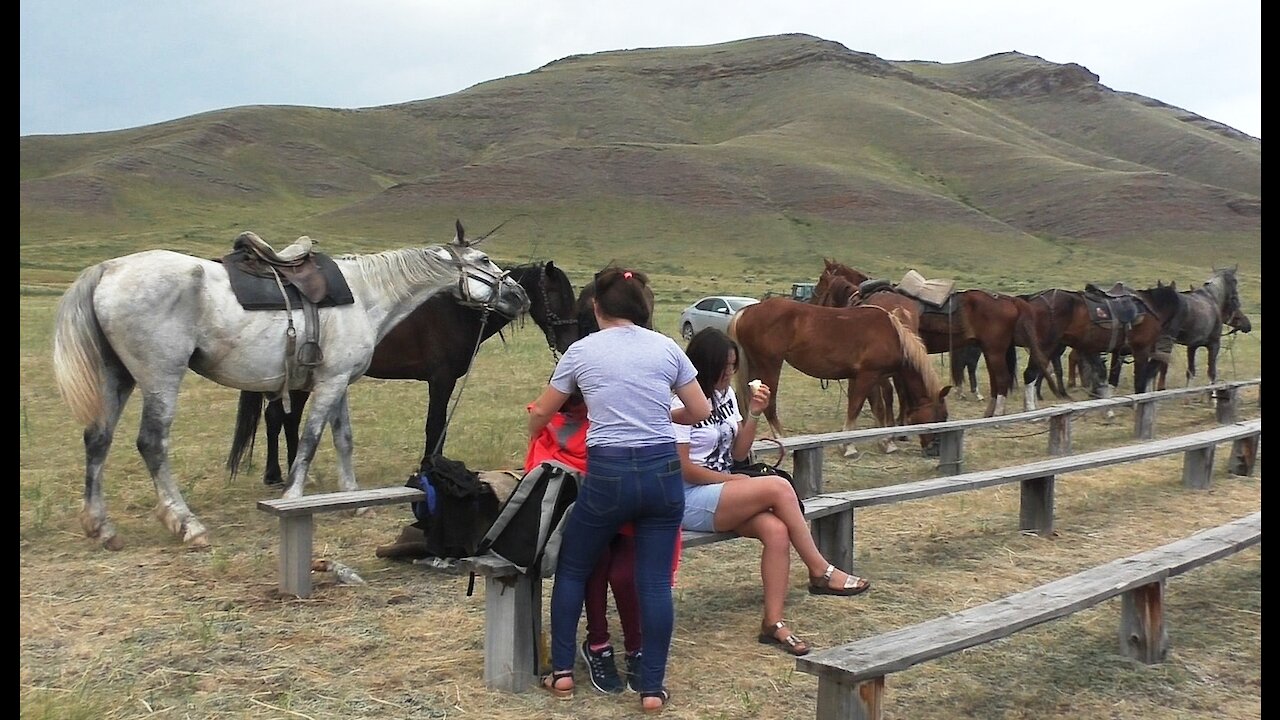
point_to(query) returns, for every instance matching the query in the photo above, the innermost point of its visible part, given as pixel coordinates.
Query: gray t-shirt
(627, 375)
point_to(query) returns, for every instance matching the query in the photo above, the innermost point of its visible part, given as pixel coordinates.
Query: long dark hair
(709, 353)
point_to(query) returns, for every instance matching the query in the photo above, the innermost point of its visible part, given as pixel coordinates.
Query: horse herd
(1143, 323)
(142, 320)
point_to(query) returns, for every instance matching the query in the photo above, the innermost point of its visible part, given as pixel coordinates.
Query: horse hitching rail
(513, 612)
(807, 450)
(851, 677)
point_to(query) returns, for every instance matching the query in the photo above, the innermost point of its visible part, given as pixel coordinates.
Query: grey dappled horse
(143, 319)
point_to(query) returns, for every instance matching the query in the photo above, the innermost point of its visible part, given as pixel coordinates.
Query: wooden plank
(822, 440)
(1044, 468)
(899, 649)
(348, 500)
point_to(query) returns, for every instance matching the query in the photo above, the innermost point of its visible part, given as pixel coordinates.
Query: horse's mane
(402, 271)
(916, 355)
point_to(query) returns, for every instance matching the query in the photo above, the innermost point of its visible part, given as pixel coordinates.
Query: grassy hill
(751, 159)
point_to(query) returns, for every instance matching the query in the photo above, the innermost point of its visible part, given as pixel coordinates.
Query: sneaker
(603, 670)
(633, 671)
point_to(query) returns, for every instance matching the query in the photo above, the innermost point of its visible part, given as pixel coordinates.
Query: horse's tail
(78, 350)
(1026, 326)
(248, 413)
(916, 354)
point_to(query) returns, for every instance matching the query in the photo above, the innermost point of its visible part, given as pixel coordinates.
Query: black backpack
(530, 522)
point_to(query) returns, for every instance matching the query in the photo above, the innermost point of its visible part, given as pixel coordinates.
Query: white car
(712, 311)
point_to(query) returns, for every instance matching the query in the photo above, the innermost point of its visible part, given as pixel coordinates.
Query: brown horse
(995, 322)
(1066, 317)
(838, 291)
(864, 345)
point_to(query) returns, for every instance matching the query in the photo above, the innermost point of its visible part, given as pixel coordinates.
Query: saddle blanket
(263, 293)
(934, 292)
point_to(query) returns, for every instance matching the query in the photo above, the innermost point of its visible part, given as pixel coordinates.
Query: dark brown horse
(863, 345)
(435, 343)
(1207, 309)
(1068, 318)
(995, 322)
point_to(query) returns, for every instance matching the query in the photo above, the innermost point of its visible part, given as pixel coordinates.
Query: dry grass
(156, 630)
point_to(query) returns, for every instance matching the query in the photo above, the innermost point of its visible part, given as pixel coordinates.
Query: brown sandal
(551, 683)
(790, 643)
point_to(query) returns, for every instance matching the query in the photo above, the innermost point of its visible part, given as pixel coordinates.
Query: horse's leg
(97, 442)
(439, 390)
(972, 370)
(958, 366)
(343, 444)
(861, 387)
(998, 377)
(1113, 378)
(276, 418)
(882, 408)
(324, 403)
(1212, 364)
(159, 406)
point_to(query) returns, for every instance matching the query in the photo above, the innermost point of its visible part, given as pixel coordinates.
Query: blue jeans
(643, 486)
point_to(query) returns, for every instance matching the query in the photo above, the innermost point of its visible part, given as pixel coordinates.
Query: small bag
(761, 468)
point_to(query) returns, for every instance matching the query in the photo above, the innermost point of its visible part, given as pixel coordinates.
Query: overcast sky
(94, 65)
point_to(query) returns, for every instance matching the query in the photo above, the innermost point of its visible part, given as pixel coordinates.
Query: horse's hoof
(365, 512)
(273, 481)
(890, 448)
(851, 452)
(113, 543)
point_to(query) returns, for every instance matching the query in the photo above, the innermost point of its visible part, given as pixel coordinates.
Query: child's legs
(597, 599)
(622, 578)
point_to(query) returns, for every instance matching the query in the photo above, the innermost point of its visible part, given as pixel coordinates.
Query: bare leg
(775, 560)
(744, 498)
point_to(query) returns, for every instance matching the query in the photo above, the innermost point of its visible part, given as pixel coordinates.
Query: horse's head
(481, 283)
(1225, 289)
(552, 302)
(928, 409)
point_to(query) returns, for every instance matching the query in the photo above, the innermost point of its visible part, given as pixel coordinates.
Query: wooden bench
(851, 678)
(297, 525)
(513, 601)
(834, 528)
(807, 450)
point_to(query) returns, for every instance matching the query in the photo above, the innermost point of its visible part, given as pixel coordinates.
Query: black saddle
(257, 272)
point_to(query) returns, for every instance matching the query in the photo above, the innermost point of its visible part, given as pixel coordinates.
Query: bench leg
(1143, 636)
(839, 700)
(1197, 467)
(1144, 420)
(1243, 454)
(1036, 511)
(951, 452)
(512, 627)
(1060, 435)
(833, 535)
(295, 555)
(807, 472)
(1224, 408)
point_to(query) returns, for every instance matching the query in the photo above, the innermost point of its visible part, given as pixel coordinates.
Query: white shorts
(700, 503)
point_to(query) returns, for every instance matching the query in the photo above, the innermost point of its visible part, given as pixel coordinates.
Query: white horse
(142, 320)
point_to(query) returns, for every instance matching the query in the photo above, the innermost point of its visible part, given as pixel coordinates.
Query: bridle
(553, 320)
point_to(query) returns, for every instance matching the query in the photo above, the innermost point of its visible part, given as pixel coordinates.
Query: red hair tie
(626, 275)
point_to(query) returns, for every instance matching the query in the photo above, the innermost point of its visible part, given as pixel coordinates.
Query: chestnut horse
(995, 322)
(862, 344)
(838, 291)
(1064, 317)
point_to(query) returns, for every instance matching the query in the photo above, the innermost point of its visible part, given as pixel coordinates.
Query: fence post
(1225, 405)
(1144, 419)
(1060, 434)
(808, 471)
(951, 452)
